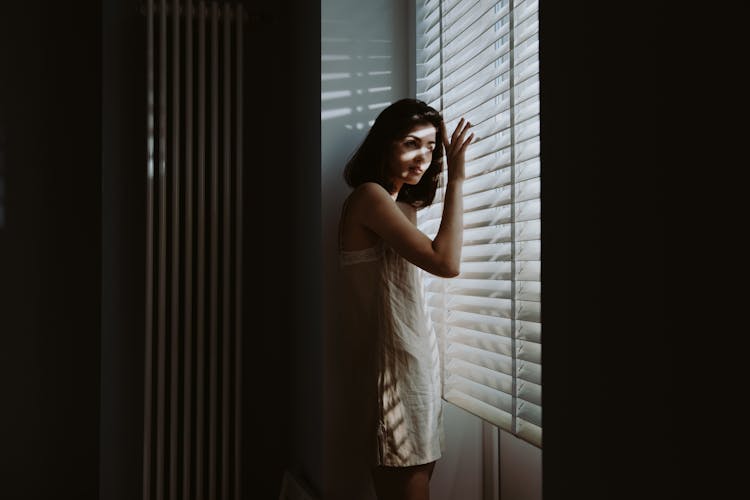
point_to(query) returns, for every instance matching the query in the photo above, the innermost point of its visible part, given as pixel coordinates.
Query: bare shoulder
(359, 205)
(369, 191)
(370, 196)
(367, 196)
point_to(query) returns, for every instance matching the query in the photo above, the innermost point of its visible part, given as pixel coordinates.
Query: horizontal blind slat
(483, 72)
(488, 306)
(483, 343)
(525, 330)
(498, 399)
(485, 324)
(479, 340)
(529, 412)
(458, 18)
(525, 290)
(529, 432)
(495, 416)
(527, 391)
(475, 30)
(526, 229)
(527, 197)
(486, 46)
(528, 371)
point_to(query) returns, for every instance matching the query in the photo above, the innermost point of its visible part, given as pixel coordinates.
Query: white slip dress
(395, 359)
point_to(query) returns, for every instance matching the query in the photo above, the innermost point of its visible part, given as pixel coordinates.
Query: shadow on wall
(363, 70)
(356, 85)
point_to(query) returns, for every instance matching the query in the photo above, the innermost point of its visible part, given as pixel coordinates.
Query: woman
(395, 172)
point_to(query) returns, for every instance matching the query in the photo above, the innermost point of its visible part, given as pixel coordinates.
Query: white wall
(364, 64)
(520, 469)
(460, 472)
(484, 463)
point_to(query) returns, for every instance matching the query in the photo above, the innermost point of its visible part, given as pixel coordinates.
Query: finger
(457, 129)
(444, 133)
(461, 149)
(460, 138)
(467, 141)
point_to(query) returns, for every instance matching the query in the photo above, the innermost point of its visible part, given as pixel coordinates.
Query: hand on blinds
(455, 149)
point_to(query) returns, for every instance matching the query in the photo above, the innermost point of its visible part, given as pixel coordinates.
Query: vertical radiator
(193, 340)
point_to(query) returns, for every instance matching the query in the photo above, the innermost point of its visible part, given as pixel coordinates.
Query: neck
(396, 187)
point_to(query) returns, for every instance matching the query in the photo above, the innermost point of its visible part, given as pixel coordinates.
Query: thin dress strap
(341, 223)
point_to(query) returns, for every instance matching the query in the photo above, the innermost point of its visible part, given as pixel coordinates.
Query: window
(480, 60)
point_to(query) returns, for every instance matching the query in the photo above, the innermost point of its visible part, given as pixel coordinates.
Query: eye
(411, 142)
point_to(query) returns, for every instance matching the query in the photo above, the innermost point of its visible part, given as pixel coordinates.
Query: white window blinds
(479, 60)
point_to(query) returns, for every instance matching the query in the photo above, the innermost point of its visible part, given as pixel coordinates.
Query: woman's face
(411, 155)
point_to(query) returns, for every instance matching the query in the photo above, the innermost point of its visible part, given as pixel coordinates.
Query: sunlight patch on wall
(327, 114)
(378, 89)
(334, 57)
(378, 105)
(335, 94)
(334, 76)
(357, 63)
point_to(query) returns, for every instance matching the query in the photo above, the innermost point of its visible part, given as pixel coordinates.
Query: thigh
(403, 483)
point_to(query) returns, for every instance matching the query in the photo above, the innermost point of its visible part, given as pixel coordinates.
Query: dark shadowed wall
(50, 253)
(608, 426)
(282, 367)
(72, 124)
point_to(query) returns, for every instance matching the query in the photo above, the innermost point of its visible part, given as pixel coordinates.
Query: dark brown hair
(369, 163)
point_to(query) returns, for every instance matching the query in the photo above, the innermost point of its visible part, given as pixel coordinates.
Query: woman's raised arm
(374, 208)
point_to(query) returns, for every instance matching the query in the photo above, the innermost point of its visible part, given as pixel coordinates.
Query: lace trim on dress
(349, 257)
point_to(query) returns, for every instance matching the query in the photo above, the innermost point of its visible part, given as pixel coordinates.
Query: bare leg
(403, 483)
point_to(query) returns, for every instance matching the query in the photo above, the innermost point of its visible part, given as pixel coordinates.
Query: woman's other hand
(455, 149)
